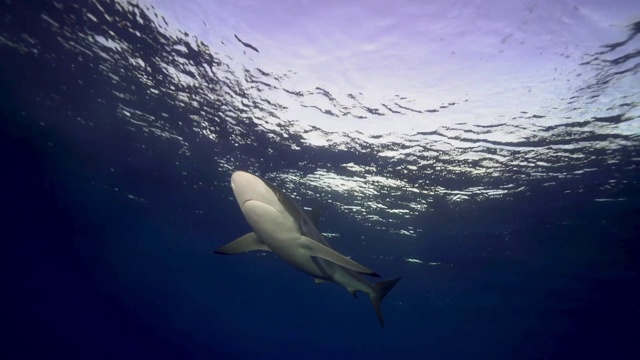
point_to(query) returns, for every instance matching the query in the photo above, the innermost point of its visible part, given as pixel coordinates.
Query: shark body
(280, 226)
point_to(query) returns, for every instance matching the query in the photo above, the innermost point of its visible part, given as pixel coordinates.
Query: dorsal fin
(314, 215)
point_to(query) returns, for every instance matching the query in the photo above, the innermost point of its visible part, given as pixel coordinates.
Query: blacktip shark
(280, 226)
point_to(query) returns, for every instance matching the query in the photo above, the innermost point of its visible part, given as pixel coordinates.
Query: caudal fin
(380, 290)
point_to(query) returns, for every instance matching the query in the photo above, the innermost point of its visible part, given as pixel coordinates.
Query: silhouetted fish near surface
(246, 44)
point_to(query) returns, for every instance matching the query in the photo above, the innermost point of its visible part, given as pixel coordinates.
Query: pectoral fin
(242, 244)
(318, 250)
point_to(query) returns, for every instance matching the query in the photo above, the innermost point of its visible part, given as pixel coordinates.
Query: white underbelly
(282, 235)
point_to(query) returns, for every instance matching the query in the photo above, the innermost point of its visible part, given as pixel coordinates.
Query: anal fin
(248, 242)
(353, 292)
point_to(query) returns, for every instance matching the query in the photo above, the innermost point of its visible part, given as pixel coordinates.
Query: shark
(280, 226)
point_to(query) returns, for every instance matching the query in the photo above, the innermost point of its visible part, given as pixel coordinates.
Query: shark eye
(278, 195)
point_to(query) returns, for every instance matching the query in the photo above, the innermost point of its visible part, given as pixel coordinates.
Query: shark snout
(244, 186)
(247, 187)
(238, 178)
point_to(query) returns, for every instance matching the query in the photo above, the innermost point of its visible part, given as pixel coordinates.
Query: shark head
(265, 207)
(249, 188)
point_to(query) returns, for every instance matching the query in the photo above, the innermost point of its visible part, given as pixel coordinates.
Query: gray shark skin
(280, 226)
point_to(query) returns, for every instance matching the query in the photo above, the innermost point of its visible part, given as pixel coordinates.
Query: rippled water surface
(442, 140)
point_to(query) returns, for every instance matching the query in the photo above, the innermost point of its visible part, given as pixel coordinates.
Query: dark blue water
(111, 217)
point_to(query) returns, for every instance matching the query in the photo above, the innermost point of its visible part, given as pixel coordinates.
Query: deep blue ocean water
(115, 185)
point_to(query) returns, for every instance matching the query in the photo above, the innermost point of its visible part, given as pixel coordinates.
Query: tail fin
(380, 290)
